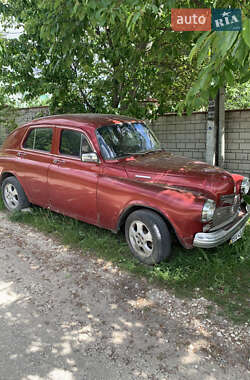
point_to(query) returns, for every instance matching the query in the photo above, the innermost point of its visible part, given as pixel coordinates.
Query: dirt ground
(69, 316)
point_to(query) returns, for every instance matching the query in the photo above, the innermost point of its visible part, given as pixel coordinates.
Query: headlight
(208, 210)
(245, 185)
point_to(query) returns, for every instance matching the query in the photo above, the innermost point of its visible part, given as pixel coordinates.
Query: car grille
(229, 199)
(224, 215)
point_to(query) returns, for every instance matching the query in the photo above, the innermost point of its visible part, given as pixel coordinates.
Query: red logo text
(185, 19)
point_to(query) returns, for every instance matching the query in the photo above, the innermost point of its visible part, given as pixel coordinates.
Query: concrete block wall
(24, 115)
(3, 134)
(184, 135)
(237, 140)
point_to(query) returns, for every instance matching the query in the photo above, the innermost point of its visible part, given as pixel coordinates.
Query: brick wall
(186, 135)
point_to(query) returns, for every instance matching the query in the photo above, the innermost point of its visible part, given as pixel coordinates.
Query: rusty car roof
(78, 120)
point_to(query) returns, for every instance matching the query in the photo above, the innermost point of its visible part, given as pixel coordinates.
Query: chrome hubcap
(141, 238)
(11, 196)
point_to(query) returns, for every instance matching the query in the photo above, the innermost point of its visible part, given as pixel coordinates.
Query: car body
(110, 171)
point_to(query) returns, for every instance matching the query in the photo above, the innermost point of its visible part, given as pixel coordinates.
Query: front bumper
(212, 239)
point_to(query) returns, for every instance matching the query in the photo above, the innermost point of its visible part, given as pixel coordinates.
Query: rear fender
(5, 174)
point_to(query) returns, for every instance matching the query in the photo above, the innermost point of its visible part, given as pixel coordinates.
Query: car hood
(177, 171)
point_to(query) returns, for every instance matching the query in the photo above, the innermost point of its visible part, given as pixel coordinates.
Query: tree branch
(82, 93)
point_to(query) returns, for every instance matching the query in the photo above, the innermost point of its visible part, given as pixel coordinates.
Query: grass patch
(247, 199)
(1, 204)
(220, 275)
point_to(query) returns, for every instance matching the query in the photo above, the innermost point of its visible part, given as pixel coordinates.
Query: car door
(72, 184)
(33, 162)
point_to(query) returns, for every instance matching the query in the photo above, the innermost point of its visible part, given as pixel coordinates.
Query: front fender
(117, 197)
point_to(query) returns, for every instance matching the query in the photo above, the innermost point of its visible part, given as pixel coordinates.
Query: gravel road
(69, 316)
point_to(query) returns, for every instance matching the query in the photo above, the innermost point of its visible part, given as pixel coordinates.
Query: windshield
(125, 139)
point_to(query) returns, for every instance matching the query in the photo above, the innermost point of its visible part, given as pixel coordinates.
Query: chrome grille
(229, 199)
(224, 215)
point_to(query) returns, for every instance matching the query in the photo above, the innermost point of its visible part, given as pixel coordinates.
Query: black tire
(13, 195)
(148, 236)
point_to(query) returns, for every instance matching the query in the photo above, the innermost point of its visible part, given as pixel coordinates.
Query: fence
(24, 115)
(186, 135)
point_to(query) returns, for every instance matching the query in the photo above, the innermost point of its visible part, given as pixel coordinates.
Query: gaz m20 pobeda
(110, 171)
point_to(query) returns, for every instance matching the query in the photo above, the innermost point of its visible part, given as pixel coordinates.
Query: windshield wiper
(139, 153)
(122, 155)
(150, 151)
(154, 150)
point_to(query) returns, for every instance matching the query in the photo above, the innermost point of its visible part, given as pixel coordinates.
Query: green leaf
(245, 77)
(204, 53)
(223, 42)
(246, 31)
(229, 77)
(171, 3)
(129, 18)
(205, 79)
(198, 45)
(241, 52)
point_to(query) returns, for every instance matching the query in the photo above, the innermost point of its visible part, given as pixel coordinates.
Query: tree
(219, 55)
(110, 55)
(238, 96)
(91, 66)
(223, 59)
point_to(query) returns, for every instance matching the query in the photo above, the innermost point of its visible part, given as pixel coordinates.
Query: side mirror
(90, 157)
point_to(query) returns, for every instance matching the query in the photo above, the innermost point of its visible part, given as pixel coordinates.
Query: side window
(39, 139)
(73, 143)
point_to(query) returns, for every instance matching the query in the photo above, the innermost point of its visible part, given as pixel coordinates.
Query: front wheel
(13, 195)
(148, 236)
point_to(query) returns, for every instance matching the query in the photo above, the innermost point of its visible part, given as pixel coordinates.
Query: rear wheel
(148, 236)
(13, 195)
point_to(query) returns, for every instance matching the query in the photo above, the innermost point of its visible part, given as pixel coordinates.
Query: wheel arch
(135, 207)
(6, 175)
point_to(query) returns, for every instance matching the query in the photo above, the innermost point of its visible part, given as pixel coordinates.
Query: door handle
(58, 161)
(21, 154)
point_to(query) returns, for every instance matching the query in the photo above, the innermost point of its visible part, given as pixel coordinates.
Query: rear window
(39, 139)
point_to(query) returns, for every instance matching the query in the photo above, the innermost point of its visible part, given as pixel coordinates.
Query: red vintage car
(110, 171)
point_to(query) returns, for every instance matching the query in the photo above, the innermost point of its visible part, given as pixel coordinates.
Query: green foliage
(222, 57)
(93, 63)
(221, 275)
(238, 96)
(7, 114)
(246, 31)
(218, 55)
(112, 55)
(43, 100)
